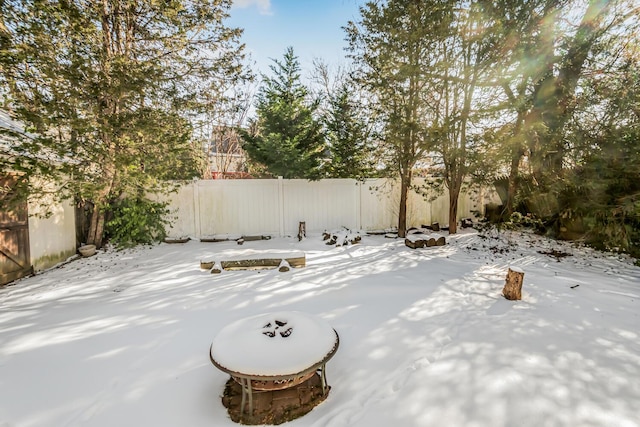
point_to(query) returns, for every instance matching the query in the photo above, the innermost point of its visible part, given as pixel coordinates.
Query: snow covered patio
(426, 339)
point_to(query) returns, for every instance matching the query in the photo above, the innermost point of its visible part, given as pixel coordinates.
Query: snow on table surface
(260, 345)
(426, 339)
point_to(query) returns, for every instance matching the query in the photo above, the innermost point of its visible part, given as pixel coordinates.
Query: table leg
(250, 391)
(323, 378)
(247, 391)
(244, 394)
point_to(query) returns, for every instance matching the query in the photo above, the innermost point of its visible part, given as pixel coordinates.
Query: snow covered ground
(426, 339)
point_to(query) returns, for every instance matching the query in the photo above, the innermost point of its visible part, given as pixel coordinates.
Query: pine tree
(106, 87)
(348, 137)
(288, 139)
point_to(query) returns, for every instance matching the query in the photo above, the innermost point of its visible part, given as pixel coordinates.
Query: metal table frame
(245, 379)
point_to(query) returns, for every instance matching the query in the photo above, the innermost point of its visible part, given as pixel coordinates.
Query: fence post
(196, 209)
(358, 205)
(281, 205)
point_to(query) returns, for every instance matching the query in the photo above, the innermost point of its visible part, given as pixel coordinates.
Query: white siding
(52, 239)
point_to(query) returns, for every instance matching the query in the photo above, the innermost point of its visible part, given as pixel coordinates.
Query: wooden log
(435, 226)
(244, 264)
(176, 239)
(302, 230)
(430, 242)
(414, 243)
(377, 232)
(219, 238)
(217, 268)
(284, 266)
(513, 285)
(439, 239)
(206, 265)
(341, 238)
(254, 238)
(213, 240)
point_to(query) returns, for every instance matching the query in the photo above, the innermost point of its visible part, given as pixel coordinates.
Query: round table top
(274, 344)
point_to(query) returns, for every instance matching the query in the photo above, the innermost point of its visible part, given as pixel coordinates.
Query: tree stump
(513, 286)
(302, 230)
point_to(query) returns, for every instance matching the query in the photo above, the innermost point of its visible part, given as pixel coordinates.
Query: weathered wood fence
(277, 206)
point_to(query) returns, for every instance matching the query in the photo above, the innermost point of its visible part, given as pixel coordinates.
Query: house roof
(11, 132)
(8, 128)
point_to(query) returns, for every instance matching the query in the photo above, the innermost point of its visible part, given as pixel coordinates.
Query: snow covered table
(274, 351)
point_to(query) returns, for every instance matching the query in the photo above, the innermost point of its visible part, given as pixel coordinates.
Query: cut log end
(415, 241)
(217, 268)
(414, 244)
(284, 266)
(206, 265)
(513, 285)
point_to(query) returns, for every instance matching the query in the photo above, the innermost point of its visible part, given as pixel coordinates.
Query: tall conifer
(287, 138)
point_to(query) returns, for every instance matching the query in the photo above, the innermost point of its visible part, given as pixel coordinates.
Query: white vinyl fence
(276, 206)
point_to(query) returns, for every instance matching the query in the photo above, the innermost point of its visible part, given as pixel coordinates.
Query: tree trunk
(553, 98)
(96, 227)
(454, 193)
(512, 187)
(517, 151)
(405, 183)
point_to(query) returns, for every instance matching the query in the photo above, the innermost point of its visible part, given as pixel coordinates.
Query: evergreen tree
(105, 87)
(599, 198)
(348, 137)
(288, 139)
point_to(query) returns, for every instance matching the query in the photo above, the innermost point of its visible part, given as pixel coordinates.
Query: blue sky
(312, 27)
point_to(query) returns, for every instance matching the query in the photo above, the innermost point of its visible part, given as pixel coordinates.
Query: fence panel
(239, 207)
(276, 206)
(327, 204)
(379, 199)
(182, 205)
